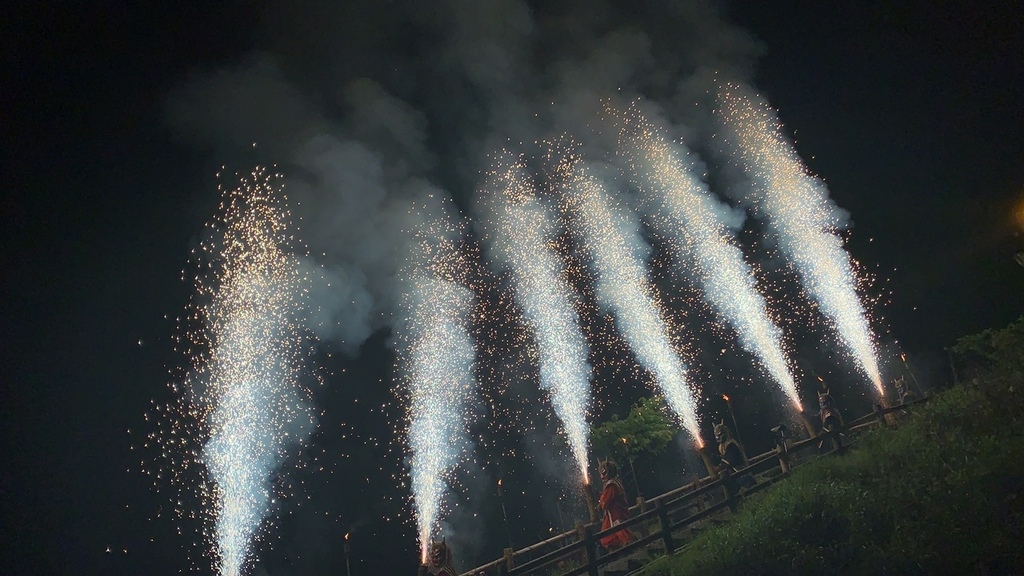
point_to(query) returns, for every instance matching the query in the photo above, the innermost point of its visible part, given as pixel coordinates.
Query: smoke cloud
(375, 109)
(368, 107)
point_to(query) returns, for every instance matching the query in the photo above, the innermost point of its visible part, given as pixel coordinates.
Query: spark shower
(249, 355)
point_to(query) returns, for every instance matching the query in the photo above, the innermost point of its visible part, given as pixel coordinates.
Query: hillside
(943, 492)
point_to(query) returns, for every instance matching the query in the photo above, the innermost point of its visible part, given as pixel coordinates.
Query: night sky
(116, 118)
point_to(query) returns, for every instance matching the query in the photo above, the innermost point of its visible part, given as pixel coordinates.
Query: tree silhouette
(641, 436)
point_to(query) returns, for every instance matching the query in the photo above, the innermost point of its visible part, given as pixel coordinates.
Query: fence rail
(582, 542)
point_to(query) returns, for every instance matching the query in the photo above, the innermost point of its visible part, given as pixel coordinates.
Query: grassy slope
(942, 493)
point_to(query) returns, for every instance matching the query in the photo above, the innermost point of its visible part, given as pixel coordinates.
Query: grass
(941, 493)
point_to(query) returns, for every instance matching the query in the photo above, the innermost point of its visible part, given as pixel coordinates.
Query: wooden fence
(656, 520)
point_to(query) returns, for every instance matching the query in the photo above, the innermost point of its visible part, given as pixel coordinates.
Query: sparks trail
(523, 238)
(244, 397)
(436, 355)
(682, 209)
(797, 207)
(618, 252)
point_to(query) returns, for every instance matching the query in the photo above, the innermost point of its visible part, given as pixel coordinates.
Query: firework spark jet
(683, 210)
(797, 207)
(437, 355)
(254, 407)
(617, 252)
(522, 241)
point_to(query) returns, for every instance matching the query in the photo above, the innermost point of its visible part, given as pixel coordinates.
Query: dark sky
(912, 114)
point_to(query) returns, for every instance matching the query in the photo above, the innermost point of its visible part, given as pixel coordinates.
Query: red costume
(616, 509)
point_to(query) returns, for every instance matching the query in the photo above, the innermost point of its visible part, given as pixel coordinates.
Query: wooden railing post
(510, 561)
(666, 527)
(879, 414)
(782, 447)
(641, 505)
(589, 547)
(783, 452)
(888, 417)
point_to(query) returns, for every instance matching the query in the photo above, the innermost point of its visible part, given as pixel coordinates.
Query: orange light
(346, 535)
(724, 397)
(499, 481)
(624, 441)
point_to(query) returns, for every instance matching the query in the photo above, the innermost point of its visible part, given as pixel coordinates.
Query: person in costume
(732, 454)
(729, 449)
(831, 419)
(613, 504)
(903, 390)
(439, 561)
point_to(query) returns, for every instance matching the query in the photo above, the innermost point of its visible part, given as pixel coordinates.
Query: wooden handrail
(547, 559)
(539, 545)
(664, 506)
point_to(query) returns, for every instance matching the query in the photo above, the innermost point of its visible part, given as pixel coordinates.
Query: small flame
(499, 481)
(724, 397)
(346, 535)
(624, 441)
(903, 356)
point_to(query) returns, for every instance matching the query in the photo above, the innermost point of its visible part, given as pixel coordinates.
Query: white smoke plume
(359, 120)
(372, 109)
(619, 255)
(805, 220)
(701, 230)
(521, 239)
